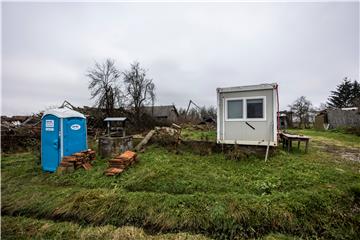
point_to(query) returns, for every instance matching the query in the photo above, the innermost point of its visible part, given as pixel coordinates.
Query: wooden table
(287, 140)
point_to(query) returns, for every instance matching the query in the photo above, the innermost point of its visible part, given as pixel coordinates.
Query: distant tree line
(195, 115)
(132, 89)
(346, 94)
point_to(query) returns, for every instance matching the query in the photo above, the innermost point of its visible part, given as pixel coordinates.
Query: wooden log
(145, 140)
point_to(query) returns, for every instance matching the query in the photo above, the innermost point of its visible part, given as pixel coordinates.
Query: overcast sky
(189, 49)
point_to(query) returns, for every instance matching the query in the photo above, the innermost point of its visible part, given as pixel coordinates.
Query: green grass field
(188, 196)
(197, 134)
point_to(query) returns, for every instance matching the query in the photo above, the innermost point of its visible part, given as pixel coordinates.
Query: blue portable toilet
(63, 132)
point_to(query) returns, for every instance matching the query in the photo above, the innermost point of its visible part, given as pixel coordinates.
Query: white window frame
(245, 118)
(264, 108)
(226, 110)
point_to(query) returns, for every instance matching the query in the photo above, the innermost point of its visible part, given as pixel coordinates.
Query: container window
(234, 109)
(255, 108)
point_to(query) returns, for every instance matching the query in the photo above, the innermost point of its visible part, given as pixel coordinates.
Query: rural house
(247, 115)
(333, 118)
(167, 113)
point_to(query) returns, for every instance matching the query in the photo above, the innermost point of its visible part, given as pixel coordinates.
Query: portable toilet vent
(63, 132)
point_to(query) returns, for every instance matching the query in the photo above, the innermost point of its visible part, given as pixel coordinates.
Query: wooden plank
(293, 136)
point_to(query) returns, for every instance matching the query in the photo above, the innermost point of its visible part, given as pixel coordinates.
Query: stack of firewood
(77, 160)
(118, 164)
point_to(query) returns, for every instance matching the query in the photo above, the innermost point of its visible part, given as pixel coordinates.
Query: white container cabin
(248, 115)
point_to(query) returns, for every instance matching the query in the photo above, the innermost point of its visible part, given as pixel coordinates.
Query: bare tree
(302, 109)
(139, 89)
(104, 85)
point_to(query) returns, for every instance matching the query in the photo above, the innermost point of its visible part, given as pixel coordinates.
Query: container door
(74, 135)
(50, 143)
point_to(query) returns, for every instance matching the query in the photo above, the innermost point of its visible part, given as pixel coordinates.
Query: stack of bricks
(118, 164)
(77, 160)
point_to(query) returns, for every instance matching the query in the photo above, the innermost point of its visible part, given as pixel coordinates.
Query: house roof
(248, 88)
(160, 111)
(115, 119)
(63, 113)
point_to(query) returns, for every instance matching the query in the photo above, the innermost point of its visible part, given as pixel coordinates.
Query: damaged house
(334, 118)
(167, 113)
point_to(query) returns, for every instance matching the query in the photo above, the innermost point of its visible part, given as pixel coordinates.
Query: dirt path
(337, 148)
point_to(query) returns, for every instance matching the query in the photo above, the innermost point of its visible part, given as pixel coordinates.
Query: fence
(340, 118)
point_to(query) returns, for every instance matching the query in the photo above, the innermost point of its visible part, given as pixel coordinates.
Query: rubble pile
(118, 164)
(20, 133)
(77, 160)
(168, 136)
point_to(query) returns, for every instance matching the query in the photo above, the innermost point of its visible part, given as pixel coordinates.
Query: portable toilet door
(74, 138)
(63, 132)
(50, 143)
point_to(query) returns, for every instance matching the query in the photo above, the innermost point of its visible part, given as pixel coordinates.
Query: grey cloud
(189, 48)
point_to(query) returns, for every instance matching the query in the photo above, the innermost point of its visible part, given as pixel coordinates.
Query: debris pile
(163, 136)
(168, 136)
(118, 164)
(19, 133)
(167, 131)
(77, 160)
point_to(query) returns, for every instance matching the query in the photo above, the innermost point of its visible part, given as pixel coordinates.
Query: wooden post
(283, 142)
(306, 145)
(108, 128)
(267, 151)
(267, 148)
(288, 144)
(299, 144)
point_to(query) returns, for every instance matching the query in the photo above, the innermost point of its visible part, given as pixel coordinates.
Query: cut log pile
(118, 164)
(77, 160)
